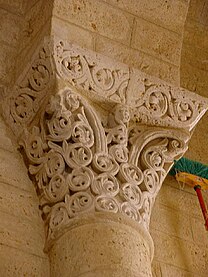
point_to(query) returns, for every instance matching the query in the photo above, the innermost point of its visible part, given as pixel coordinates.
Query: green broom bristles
(189, 166)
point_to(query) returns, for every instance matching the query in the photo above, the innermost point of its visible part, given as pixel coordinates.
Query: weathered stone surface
(195, 58)
(172, 222)
(138, 59)
(199, 230)
(179, 200)
(19, 203)
(169, 14)
(198, 147)
(13, 171)
(181, 253)
(19, 7)
(157, 41)
(7, 63)
(21, 229)
(15, 6)
(96, 16)
(8, 34)
(15, 263)
(6, 141)
(160, 269)
(104, 247)
(196, 10)
(194, 79)
(36, 20)
(196, 34)
(18, 233)
(73, 33)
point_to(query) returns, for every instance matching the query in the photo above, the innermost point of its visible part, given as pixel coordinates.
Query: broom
(194, 174)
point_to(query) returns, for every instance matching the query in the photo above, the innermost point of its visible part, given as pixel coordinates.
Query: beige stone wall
(178, 231)
(154, 36)
(21, 230)
(177, 223)
(144, 34)
(22, 24)
(194, 69)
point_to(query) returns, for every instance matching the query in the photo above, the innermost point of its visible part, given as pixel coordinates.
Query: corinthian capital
(98, 136)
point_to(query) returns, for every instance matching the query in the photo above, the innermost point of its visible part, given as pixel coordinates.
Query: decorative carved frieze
(151, 101)
(91, 72)
(84, 159)
(157, 103)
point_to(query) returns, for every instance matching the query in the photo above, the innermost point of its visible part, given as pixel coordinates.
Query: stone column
(103, 244)
(99, 139)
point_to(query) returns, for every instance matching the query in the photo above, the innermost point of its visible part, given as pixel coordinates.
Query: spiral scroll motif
(105, 184)
(56, 189)
(29, 91)
(85, 72)
(80, 179)
(81, 167)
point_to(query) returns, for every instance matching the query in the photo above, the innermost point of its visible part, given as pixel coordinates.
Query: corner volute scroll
(98, 136)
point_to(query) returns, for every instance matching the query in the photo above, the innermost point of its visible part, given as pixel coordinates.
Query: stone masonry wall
(154, 36)
(144, 34)
(177, 223)
(21, 230)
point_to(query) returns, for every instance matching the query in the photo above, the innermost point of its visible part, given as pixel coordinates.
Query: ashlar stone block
(96, 16)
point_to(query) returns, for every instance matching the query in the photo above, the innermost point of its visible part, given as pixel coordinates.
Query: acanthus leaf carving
(82, 166)
(82, 162)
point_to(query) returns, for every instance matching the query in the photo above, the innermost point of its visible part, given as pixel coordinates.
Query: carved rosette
(82, 162)
(81, 166)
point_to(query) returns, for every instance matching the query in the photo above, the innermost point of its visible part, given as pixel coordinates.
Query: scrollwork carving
(105, 184)
(82, 70)
(56, 189)
(83, 162)
(80, 179)
(82, 166)
(30, 90)
(164, 105)
(80, 202)
(106, 203)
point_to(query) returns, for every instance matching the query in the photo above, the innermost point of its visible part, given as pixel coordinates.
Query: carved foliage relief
(91, 72)
(159, 104)
(24, 100)
(81, 165)
(152, 101)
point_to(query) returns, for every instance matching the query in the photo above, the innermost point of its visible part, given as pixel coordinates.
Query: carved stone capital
(98, 136)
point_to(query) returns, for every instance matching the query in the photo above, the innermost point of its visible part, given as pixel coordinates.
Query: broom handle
(202, 204)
